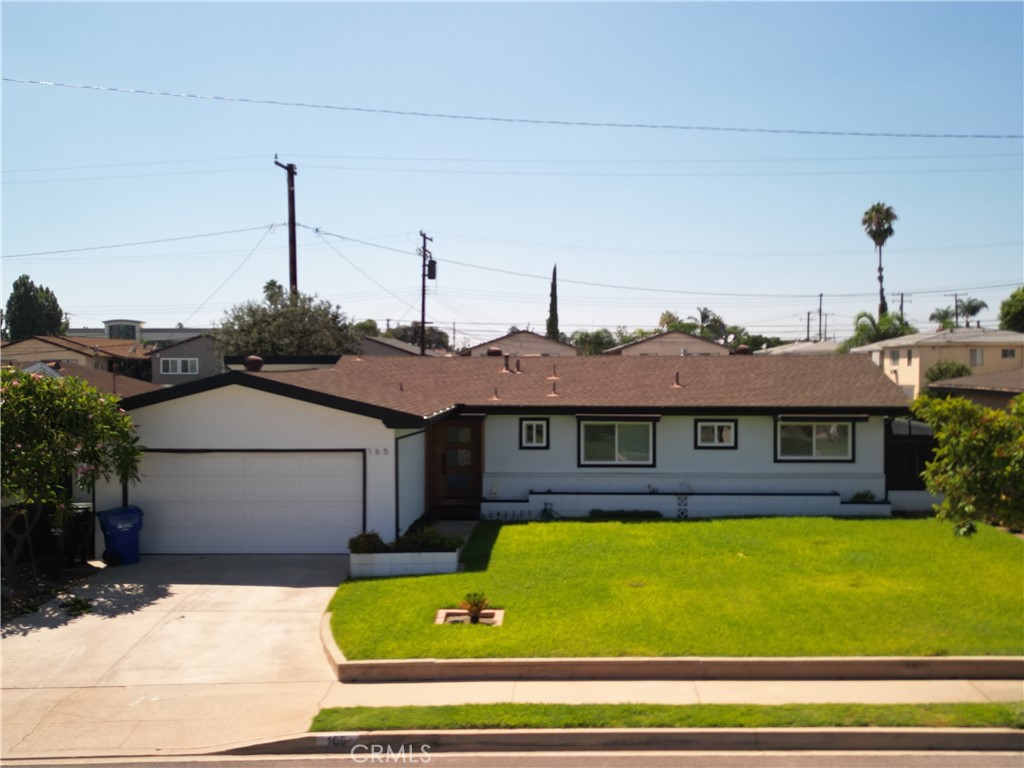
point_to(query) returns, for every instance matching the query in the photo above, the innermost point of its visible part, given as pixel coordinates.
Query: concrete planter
(380, 564)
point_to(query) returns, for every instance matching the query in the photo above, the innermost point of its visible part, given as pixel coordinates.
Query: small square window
(533, 433)
(715, 434)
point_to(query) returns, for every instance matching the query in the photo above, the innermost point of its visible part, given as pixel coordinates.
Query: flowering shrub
(59, 432)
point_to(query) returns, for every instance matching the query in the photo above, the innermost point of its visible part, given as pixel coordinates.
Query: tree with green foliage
(367, 327)
(410, 334)
(552, 329)
(1011, 312)
(947, 369)
(593, 342)
(978, 465)
(59, 432)
(32, 310)
(285, 324)
(867, 329)
(970, 307)
(877, 222)
(943, 316)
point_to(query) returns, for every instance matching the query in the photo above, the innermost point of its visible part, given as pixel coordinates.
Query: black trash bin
(121, 528)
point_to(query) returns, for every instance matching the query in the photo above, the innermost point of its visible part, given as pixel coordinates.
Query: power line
(517, 120)
(139, 242)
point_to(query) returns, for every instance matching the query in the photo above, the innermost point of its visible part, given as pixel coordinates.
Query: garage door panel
(241, 502)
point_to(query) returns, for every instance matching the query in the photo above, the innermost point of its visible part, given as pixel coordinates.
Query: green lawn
(485, 716)
(756, 587)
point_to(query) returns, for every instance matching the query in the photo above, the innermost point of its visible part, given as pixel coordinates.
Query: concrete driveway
(179, 653)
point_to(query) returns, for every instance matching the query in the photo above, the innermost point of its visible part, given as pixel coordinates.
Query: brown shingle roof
(105, 381)
(426, 386)
(120, 348)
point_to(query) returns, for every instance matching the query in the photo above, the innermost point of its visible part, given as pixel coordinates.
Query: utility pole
(956, 308)
(429, 271)
(820, 296)
(808, 336)
(293, 279)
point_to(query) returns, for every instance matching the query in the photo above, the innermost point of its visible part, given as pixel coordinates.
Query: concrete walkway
(187, 655)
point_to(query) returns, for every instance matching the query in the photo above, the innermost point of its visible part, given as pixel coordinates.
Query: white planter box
(378, 564)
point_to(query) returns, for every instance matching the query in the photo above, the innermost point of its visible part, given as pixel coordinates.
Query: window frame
(583, 422)
(1008, 353)
(180, 366)
(814, 422)
(716, 446)
(534, 445)
(976, 357)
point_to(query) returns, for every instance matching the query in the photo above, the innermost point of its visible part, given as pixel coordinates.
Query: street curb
(670, 668)
(418, 743)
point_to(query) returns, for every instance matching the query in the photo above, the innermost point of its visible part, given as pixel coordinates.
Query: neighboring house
(186, 360)
(992, 390)
(522, 344)
(300, 461)
(811, 347)
(669, 343)
(384, 345)
(104, 381)
(906, 359)
(124, 356)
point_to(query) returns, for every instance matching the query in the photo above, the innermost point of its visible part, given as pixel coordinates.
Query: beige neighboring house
(668, 344)
(124, 356)
(906, 359)
(522, 344)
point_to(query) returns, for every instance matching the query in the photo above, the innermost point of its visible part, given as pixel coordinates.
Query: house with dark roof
(300, 461)
(105, 381)
(124, 356)
(992, 390)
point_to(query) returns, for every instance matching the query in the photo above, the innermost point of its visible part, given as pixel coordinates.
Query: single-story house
(992, 390)
(670, 343)
(299, 461)
(807, 347)
(124, 356)
(385, 345)
(906, 359)
(522, 344)
(105, 381)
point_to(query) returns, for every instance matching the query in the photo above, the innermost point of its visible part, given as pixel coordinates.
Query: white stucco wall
(411, 478)
(511, 473)
(240, 418)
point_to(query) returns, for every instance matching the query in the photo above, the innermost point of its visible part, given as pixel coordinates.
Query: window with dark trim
(605, 443)
(179, 365)
(799, 440)
(533, 434)
(717, 433)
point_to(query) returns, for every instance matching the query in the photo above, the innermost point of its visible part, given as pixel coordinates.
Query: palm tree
(943, 316)
(877, 222)
(867, 330)
(969, 308)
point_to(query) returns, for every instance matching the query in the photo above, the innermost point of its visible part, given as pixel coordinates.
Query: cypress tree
(553, 307)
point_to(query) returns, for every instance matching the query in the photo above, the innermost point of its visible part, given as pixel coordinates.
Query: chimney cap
(253, 363)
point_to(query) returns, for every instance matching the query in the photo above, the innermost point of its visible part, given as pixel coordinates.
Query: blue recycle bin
(121, 528)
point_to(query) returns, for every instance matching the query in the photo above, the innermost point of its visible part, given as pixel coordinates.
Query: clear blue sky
(751, 223)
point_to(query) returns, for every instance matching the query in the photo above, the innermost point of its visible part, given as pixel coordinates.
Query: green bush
(367, 543)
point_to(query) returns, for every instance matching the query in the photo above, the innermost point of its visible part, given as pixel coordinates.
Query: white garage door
(240, 502)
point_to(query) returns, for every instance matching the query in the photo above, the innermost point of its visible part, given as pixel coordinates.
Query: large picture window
(814, 440)
(614, 443)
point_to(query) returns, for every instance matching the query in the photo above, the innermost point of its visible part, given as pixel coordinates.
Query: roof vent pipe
(253, 363)
(518, 369)
(677, 385)
(506, 369)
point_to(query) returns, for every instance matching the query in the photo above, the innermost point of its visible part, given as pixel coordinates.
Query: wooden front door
(454, 468)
